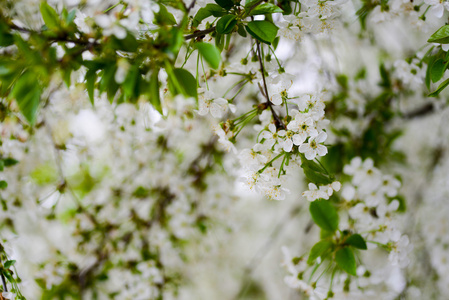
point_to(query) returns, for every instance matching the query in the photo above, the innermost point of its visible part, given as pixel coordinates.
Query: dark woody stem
(5, 288)
(277, 120)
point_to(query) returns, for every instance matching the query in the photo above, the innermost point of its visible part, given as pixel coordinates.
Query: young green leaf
(91, 78)
(286, 6)
(183, 82)
(357, 241)
(27, 93)
(164, 17)
(441, 36)
(3, 184)
(8, 162)
(265, 8)
(207, 11)
(437, 70)
(325, 234)
(442, 86)
(316, 177)
(6, 39)
(210, 54)
(128, 44)
(324, 215)
(131, 84)
(318, 250)
(9, 263)
(50, 16)
(226, 4)
(250, 3)
(226, 24)
(345, 259)
(241, 30)
(155, 98)
(263, 31)
(428, 71)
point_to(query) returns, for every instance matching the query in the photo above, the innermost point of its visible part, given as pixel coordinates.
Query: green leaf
(286, 6)
(6, 39)
(27, 93)
(437, 70)
(131, 84)
(318, 250)
(325, 234)
(402, 203)
(385, 76)
(155, 99)
(241, 30)
(345, 259)
(324, 215)
(44, 174)
(164, 17)
(128, 44)
(50, 16)
(276, 42)
(8, 162)
(226, 24)
(226, 4)
(9, 263)
(442, 86)
(71, 16)
(91, 78)
(428, 71)
(210, 54)
(316, 177)
(441, 36)
(356, 241)
(176, 40)
(3, 184)
(182, 82)
(107, 81)
(263, 31)
(8, 276)
(266, 8)
(250, 3)
(187, 81)
(314, 172)
(207, 11)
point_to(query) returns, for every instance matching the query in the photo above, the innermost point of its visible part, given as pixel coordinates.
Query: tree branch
(277, 120)
(199, 33)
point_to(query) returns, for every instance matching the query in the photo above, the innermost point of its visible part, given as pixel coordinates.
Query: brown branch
(62, 38)
(277, 120)
(191, 6)
(199, 33)
(420, 112)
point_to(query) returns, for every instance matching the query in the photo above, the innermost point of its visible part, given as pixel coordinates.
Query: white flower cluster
(316, 17)
(208, 102)
(373, 216)
(371, 198)
(117, 194)
(323, 192)
(411, 74)
(437, 7)
(267, 161)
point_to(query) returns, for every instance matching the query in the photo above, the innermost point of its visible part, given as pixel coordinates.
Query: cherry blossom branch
(199, 33)
(277, 120)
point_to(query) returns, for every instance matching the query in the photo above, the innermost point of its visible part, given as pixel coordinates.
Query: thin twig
(5, 287)
(278, 121)
(191, 6)
(199, 33)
